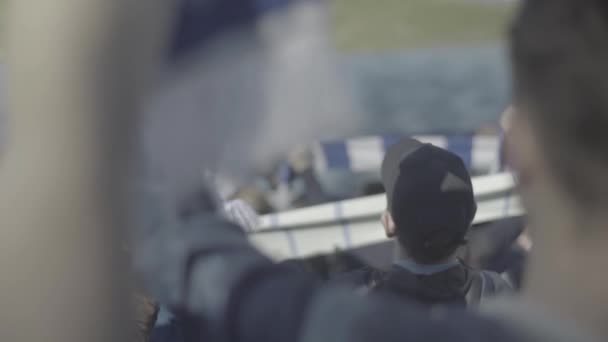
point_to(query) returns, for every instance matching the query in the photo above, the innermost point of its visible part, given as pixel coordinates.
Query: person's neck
(566, 273)
(400, 254)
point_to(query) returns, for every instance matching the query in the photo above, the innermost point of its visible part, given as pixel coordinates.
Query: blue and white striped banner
(355, 223)
(481, 153)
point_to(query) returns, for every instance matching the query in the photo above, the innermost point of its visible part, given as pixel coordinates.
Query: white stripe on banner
(311, 241)
(436, 140)
(320, 229)
(365, 154)
(497, 185)
(485, 154)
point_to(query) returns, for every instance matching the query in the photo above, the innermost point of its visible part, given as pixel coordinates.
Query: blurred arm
(222, 288)
(77, 69)
(242, 214)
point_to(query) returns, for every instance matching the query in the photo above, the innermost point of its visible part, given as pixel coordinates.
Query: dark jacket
(457, 285)
(227, 291)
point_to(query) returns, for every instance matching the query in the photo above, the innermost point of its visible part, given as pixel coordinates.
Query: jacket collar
(423, 269)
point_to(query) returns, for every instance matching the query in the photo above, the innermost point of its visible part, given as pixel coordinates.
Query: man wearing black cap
(430, 209)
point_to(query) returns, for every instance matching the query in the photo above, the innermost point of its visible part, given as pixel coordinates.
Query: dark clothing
(167, 333)
(167, 328)
(489, 242)
(512, 263)
(225, 290)
(494, 247)
(457, 285)
(326, 266)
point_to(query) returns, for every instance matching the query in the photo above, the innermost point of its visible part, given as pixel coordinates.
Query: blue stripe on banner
(339, 212)
(390, 140)
(462, 145)
(274, 220)
(293, 245)
(336, 155)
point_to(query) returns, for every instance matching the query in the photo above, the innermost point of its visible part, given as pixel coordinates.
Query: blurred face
(540, 192)
(520, 146)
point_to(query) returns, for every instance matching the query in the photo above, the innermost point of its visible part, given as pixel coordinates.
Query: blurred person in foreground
(501, 246)
(558, 147)
(229, 291)
(168, 326)
(65, 155)
(431, 206)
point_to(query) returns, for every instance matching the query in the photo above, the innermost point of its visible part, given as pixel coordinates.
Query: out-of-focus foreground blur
(112, 112)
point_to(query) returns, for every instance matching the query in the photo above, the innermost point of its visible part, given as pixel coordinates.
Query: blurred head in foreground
(558, 131)
(430, 200)
(558, 145)
(560, 68)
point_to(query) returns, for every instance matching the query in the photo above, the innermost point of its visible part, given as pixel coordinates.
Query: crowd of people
(64, 203)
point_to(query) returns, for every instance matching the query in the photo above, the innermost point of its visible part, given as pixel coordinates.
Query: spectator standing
(431, 207)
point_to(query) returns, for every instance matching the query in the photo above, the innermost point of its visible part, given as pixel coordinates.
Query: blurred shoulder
(381, 318)
(365, 276)
(531, 323)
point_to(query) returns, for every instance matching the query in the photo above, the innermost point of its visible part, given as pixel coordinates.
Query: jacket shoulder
(486, 285)
(494, 283)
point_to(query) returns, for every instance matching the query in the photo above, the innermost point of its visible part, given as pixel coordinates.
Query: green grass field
(363, 25)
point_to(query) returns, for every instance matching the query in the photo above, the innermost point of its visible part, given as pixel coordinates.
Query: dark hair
(559, 53)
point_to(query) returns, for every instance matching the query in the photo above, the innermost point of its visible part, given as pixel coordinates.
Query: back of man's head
(430, 198)
(560, 63)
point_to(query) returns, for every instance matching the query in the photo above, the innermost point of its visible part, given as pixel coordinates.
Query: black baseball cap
(430, 197)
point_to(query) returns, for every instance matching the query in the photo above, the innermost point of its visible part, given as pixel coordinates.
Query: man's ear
(389, 225)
